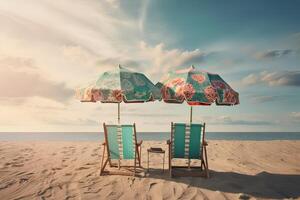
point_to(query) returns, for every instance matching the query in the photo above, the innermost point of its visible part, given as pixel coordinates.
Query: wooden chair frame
(137, 157)
(203, 158)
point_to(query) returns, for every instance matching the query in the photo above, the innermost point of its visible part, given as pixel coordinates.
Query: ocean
(94, 136)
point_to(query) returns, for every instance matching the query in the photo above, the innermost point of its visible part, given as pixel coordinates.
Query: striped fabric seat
(121, 141)
(120, 144)
(187, 140)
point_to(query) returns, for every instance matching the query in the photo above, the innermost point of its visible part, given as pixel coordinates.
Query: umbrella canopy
(196, 88)
(119, 85)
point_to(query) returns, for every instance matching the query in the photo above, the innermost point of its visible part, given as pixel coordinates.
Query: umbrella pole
(191, 114)
(118, 113)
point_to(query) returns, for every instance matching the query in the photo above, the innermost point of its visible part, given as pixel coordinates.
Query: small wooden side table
(158, 151)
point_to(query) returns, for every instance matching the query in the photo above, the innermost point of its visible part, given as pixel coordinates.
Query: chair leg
(170, 171)
(103, 167)
(201, 166)
(205, 154)
(140, 157)
(139, 154)
(169, 157)
(170, 161)
(206, 170)
(110, 164)
(164, 163)
(135, 159)
(148, 162)
(102, 159)
(206, 164)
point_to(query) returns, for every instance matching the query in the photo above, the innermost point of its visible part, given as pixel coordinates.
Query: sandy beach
(70, 170)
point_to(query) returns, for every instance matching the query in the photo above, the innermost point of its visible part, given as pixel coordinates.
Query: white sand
(70, 170)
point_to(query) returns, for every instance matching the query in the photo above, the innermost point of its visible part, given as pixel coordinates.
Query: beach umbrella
(196, 88)
(119, 85)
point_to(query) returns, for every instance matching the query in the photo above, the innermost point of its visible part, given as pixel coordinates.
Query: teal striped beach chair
(120, 144)
(187, 142)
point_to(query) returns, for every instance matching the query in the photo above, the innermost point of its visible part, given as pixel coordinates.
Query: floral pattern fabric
(197, 88)
(120, 85)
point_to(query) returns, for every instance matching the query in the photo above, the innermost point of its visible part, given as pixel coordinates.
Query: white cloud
(295, 116)
(264, 98)
(50, 47)
(227, 120)
(114, 3)
(277, 78)
(250, 79)
(287, 78)
(161, 60)
(66, 42)
(276, 53)
(45, 44)
(143, 15)
(17, 63)
(23, 84)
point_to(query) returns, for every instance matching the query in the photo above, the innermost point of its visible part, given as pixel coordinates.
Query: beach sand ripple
(70, 170)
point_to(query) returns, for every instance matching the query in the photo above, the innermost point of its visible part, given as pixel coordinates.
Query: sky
(49, 48)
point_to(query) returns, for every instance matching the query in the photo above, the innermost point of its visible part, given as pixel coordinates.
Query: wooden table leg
(148, 163)
(164, 163)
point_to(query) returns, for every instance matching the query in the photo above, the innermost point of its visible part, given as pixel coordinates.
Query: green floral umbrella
(196, 88)
(120, 85)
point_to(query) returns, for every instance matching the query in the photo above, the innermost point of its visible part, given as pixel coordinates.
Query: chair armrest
(139, 143)
(205, 143)
(168, 142)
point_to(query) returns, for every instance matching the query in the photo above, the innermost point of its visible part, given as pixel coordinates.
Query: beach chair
(120, 144)
(187, 142)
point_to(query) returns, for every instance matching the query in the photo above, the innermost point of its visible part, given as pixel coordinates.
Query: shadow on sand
(262, 185)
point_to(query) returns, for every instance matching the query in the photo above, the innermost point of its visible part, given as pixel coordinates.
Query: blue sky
(201, 23)
(50, 48)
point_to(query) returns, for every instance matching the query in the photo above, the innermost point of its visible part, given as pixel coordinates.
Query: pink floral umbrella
(197, 88)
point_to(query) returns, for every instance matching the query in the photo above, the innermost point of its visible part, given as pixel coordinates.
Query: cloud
(18, 84)
(263, 99)
(114, 3)
(41, 104)
(139, 114)
(143, 14)
(113, 62)
(62, 40)
(48, 44)
(251, 79)
(275, 53)
(270, 98)
(91, 24)
(78, 54)
(295, 116)
(248, 123)
(288, 78)
(72, 122)
(294, 39)
(162, 59)
(98, 35)
(17, 62)
(7, 101)
(226, 120)
(278, 78)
